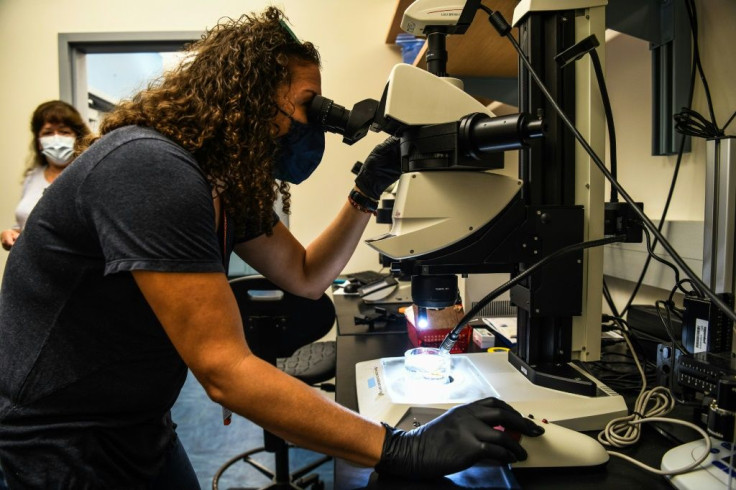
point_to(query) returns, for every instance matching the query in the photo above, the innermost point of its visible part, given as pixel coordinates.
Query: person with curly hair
(56, 128)
(118, 286)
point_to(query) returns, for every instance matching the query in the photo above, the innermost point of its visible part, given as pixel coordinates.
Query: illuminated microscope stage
(386, 391)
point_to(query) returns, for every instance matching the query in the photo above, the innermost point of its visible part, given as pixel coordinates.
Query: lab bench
(356, 343)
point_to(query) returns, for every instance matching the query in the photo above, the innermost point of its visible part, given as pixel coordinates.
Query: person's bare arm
(200, 315)
(306, 271)
(9, 237)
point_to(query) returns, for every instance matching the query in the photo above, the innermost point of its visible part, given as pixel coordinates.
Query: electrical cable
(678, 282)
(613, 152)
(729, 121)
(452, 337)
(693, 291)
(650, 406)
(617, 374)
(659, 259)
(692, 15)
(662, 219)
(500, 24)
(694, 465)
(609, 299)
(608, 111)
(667, 324)
(625, 431)
(680, 127)
(598, 70)
(690, 123)
(612, 149)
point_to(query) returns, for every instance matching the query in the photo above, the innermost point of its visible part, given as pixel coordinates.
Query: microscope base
(562, 377)
(385, 392)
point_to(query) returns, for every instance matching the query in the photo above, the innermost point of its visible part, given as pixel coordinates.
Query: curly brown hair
(219, 104)
(56, 112)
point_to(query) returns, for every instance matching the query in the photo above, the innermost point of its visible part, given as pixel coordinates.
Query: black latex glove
(381, 169)
(456, 440)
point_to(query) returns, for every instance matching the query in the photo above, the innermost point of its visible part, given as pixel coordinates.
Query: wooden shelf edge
(480, 52)
(394, 29)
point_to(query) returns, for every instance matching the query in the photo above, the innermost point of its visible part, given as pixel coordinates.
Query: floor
(210, 444)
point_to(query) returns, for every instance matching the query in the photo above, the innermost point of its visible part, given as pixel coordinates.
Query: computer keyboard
(367, 277)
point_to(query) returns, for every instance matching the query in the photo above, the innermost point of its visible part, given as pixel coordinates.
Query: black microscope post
(549, 299)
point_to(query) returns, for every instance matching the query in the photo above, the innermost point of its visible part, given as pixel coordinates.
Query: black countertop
(356, 343)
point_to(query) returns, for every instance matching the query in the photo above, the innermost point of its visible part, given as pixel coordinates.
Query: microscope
(453, 215)
(448, 142)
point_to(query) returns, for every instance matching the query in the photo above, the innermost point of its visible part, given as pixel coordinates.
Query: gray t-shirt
(88, 373)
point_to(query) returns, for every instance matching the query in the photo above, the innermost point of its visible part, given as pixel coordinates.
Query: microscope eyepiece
(330, 116)
(351, 124)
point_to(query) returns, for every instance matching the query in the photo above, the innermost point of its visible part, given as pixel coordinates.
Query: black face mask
(302, 148)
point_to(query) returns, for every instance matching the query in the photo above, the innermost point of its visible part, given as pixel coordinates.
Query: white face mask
(57, 148)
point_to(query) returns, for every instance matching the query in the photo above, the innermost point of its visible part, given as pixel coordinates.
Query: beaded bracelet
(362, 202)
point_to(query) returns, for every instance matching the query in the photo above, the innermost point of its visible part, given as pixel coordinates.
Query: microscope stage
(386, 392)
(466, 384)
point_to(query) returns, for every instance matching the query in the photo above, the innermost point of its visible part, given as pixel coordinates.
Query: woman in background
(56, 127)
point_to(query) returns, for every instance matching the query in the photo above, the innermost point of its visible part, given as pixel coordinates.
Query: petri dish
(428, 363)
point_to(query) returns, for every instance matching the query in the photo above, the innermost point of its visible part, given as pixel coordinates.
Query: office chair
(282, 328)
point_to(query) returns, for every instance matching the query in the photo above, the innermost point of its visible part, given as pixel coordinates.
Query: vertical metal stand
(720, 214)
(719, 262)
(558, 173)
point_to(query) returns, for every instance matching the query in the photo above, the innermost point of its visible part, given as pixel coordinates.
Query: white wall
(645, 177)
(350, 35)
